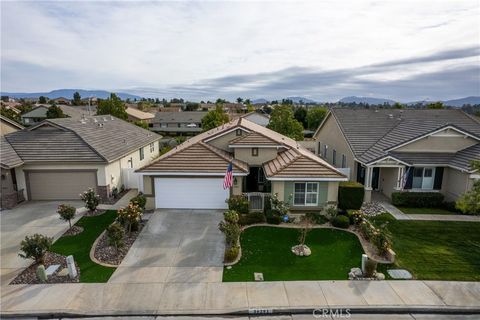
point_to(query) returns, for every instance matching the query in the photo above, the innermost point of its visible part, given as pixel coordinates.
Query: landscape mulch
(73, 231)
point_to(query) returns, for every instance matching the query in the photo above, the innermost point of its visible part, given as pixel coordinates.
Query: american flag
(228, 180)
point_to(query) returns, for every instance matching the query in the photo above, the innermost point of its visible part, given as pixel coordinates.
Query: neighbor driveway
(178, 245)
(26, 219)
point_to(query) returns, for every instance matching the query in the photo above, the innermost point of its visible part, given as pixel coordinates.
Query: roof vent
(95, 120)
(100, 125)
(390, 116)
(111, 118)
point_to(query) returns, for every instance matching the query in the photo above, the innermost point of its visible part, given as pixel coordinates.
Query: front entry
(256, 181)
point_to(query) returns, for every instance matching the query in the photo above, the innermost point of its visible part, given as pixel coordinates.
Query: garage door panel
(190, 193)
(60, 185)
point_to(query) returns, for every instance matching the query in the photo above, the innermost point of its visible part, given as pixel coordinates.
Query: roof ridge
(383, 136)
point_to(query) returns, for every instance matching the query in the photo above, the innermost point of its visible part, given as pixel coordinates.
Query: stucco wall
(331, 135)
(6, 128)
(264, 155)
(388, 180)
(455, 183)
(438, 144)
(223, 141)
(237, 188)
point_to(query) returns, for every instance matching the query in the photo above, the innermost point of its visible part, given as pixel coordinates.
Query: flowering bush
(91, 199)
(238, 203)
(67, 213)
(230, 227)
(231, 216)
(115, 235)
(140, 200)
(130, 216)
(356, 217)
(379, 237)
(278, 206)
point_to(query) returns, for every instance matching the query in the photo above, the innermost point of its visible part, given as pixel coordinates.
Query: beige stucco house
(59, 158)
(402, 149)
(264, 163)
(8, 126)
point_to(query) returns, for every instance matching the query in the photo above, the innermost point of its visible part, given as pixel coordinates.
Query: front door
(428, 174)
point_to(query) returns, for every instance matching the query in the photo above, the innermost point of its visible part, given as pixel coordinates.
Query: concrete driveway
(177, 245)
(26, 219)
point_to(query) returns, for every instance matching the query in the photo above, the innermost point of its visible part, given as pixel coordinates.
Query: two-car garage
(190, 193)
(59, 184)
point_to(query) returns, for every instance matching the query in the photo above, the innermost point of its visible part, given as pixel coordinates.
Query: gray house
(178, 123)
(391, 150)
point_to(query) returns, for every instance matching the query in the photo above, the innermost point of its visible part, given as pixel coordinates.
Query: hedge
(417, 199)
(341, 222)
(350, 195)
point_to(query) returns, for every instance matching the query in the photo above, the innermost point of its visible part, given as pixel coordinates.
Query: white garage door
(190, 193)
(59, 185)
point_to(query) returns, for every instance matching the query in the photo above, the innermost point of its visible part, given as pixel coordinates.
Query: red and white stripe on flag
(228, 180)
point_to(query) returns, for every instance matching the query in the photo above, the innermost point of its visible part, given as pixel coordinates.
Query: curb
(92, 253)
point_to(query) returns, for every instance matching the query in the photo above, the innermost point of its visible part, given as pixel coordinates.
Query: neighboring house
(258, 118)
(62, 100)
(58, 159)
(9, 195)
(138, 115)
(402, 150)
(264, 163)
(7, 126)
(178, 123)
(39, 113)
(169, 109)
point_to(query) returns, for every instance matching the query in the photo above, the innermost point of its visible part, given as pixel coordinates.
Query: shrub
(232, 232)
(341, 222)
(35, 247)
(130, 216)
(91, 199)
(370, 268)
(450, 206)
(273, 217)
(280, 207)
(67, 213)
(115, 192)
(350, 195)
(379, 237)
(140, 200)
(469, 203)
(251, 218)
(355, 216)
(239, 204)
(316, 217)
(417, 199)
(231, 253)
(115, 235)
(330, 212)
(231, 216)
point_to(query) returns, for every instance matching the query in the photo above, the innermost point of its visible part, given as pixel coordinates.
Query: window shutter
(408, 183)
(437, 182)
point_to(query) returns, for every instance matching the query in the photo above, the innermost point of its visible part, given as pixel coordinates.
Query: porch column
(141, 187)
(368, 184)
(399, 183)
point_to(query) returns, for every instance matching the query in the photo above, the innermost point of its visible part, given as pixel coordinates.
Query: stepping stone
(399, 274)
(258, 276)
(52, 269)
(63, 272)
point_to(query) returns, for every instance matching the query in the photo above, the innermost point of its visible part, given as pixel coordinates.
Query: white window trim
(152, 147)
(305, 204)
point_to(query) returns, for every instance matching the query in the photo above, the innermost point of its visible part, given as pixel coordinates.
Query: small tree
(140, 200)
(315, 116)
(113, 106)
(42, 99)
(306, 223)
(54, 112)
(77, 99)
(282, 121)
(91, 199)
(230, 227)
(130, 216)
(115, 235)
(35, 247)
(67, 213)
(214, 118)
(469, 203)
(278, 206)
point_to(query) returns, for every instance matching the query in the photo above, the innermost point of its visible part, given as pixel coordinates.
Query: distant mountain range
(366, 100)
(68, 93)
(452, 103)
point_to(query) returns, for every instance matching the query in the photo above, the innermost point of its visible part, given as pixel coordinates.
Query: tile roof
(139, 114)
(297, 167)
(92, 139)
(370, 132)
(254, 138)
(9, 158)
(179, 117)
(11, 122)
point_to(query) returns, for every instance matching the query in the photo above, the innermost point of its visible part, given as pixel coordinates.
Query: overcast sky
(403, 50)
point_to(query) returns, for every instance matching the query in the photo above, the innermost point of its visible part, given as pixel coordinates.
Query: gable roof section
(9, 158)
(139, 114)
(196, 158)
(37, 112)
(11, 122)
(253, 138)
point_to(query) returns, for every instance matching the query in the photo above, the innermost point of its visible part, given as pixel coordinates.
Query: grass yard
(267, 250)
(425, 211)
(436, 250)
(79, 246)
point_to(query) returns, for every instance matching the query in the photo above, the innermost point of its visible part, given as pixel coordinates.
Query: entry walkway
(399, 215)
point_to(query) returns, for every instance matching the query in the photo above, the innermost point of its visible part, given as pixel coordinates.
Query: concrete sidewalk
(222, 298)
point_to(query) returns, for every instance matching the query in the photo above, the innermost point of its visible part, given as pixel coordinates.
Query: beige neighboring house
(7, 126)
(58, 159)
(264, 163)
(138, 115)
(391, 150)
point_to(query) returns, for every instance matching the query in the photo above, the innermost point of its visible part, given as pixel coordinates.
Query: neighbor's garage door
(190, 193)
(59, 185)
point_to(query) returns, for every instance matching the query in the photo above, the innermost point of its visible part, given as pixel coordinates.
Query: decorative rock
(229, 267)
(380, 276)
(302, 251)
(357, 272)
(372, 209)
(41, 273)
(72, 270)
(258, 276)
(63, 272)
(399, 274)
(52, 269)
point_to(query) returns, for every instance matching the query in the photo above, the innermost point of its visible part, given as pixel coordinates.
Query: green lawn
(436, 250)
(79, 246)
(425, 211)
(267, 250)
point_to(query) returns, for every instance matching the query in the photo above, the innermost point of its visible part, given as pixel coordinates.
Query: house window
(152, 147)
(238, 132)
(163, 125)
(325, 151)
(142, 155)
(254, 152)
(130, 163)
(423, 178)
(334, 157)
(344, 161)
(305, 194)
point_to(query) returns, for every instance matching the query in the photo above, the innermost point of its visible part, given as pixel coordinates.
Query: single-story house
(264, 163)
(8, 125)
(259, 118)
(38, 114)
(178, 123)
(58, 159)
(391, 150)
(139, 115)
